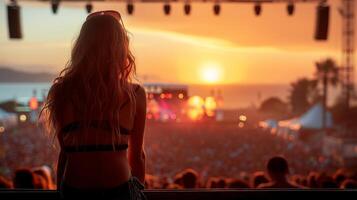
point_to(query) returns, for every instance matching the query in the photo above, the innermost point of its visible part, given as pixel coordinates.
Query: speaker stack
(322, 22)
(14, 21)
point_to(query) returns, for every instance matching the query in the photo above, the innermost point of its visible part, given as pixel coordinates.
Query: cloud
(216, 43)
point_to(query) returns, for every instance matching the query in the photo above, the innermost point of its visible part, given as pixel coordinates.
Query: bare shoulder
(139, 93)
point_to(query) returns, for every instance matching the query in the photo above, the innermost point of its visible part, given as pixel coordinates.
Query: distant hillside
(10, 75)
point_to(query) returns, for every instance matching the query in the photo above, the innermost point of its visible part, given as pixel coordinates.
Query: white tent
(312, 119)
(268, 124)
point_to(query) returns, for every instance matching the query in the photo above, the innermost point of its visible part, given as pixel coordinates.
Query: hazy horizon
(140, 80)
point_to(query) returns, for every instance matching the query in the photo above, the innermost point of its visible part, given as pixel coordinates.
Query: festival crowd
(192, 155)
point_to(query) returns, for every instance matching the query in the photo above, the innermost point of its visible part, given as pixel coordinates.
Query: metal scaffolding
(347, 66)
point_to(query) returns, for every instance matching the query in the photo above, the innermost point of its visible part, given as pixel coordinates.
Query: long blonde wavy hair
(97, 79)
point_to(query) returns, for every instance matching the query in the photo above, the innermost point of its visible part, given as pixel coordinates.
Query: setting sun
(211, 73)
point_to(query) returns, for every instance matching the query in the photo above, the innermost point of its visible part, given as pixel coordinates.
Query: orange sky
(272, 48)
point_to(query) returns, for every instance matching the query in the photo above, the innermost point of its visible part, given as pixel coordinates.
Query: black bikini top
(104, 125)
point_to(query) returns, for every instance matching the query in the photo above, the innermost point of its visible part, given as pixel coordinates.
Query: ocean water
(23, 91)
(234, 96)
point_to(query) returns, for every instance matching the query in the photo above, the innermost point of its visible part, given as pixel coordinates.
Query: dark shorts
(131, 190)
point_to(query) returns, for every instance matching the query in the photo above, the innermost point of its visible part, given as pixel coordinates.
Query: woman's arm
(61, 164)
(136, 153)
(62, 159)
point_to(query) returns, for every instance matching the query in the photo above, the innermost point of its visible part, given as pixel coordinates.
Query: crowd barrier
(205, 194)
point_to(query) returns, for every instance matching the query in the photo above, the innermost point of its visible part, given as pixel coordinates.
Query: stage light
(210, 106)
(216, 9)
(23, 118)
(290, 8)
(14, 20)
(130, 8)
(33, 103)
(195, 108)
(167, 9)
(257, 9)
(187, 8)
(242, 118)
(89, 7)
(54, 6)
(180, 96)
(165, 117)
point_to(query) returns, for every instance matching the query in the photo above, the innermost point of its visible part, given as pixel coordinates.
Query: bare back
(105, 169)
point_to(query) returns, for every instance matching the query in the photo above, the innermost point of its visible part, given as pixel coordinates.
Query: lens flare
(210, 106)
(195, 107)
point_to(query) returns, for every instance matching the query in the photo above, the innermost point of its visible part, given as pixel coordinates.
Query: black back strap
(95, 148)
(104, 125)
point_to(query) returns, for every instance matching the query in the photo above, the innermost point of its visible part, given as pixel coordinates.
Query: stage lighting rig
(14, 20)
(187, 8)
(322, 21)
(130, 8)
(167, 8)
(89, 7)
(216, 9)
(257, 9)
(290, 8)
(55, 6)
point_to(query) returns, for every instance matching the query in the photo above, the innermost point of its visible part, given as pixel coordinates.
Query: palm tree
(326, 72)
(303, 93)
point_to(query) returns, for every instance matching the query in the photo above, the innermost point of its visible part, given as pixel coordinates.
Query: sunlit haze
(232, 99)
(211, 73)
(243, 48)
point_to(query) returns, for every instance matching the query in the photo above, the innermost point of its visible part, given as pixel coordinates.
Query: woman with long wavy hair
(98, 115)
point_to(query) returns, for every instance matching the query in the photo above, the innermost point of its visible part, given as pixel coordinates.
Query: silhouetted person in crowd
(349, 184)
(237, 183)
(40, 182)
(259, 178)
(212, 182)
(312, 180)
(244, 176)
(278, 170)
(4, 183)
(178, 179)
(45, 173)
(189, 178)
(299, 180)
(149, 181)
(174, 186)
(221, 182)
(24, 178)
(339, 177)
(98, 115)
(164, 183)
(302, 181)
(216, 182)
(326, 181)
